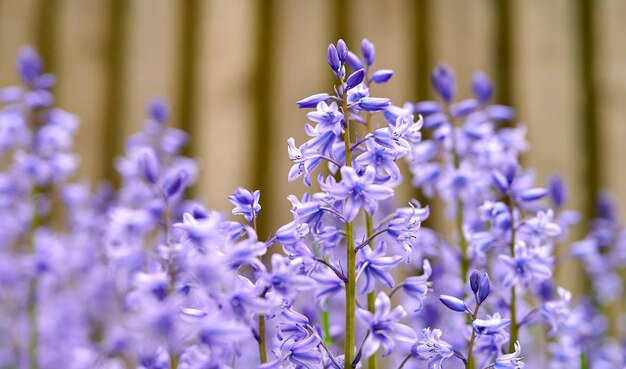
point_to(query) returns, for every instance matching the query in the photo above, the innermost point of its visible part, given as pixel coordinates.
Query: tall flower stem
(33, 334)
(514, 323)
(372, 361)
(469, 364)
(350, 253)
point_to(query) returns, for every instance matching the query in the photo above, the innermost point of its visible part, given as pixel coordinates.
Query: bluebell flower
(381, 76)
(373, 265)
(303, 353)
(384, 327)
(286, 278)
(313, 100)
(557, 312)
(528, 265)
(246, 203)
(432, 349)
(541, 227)
(333, 58)
(368, 51)
(373, 103)
(492, 325)
(305, 161)
(355, 79)
(482, 87)
(291, 237)
(328, 117)
(444, 83)
(406, 223)
(358, 191)
(328, 284)
(417, 286)
(510, 361)
(454, 303)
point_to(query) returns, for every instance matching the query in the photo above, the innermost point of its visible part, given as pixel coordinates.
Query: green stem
(173, 361)
(262, 348)
(514, 323)
(326, 327)
(372, 361)
(462, 240)
(469, 364)
(406, 359)
(350, 255)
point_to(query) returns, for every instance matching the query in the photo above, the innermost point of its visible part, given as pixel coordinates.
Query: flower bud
(500, 113)
(355, 79)
(173, 185)
(382, 76)
(368, 51)
(353, 61)
(374, 103)
(342, 50)
(558, 191)
(313, 100)
(158, 110)
(484, 288)
(453, 303)
(443, 81)
(333, 58)
(149, 167)
(482, 87)
(427, 107)
(474, 280)
(532, 194)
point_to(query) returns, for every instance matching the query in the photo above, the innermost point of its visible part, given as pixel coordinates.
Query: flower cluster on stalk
(142, 276)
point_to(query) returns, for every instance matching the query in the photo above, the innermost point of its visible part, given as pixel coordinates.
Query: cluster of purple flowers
(143, 277)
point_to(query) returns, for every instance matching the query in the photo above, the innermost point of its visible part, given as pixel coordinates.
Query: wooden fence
(233, 69)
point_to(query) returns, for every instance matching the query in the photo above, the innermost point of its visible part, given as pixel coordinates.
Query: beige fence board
(611, 82)
(17, 28)
(81, 69)
(224, 114)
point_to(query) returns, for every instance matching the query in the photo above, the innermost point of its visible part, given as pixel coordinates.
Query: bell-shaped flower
(384, 326)
(529, 264)
(492, 325)
(358, 191)
(510, 361)
(328, 118)
(286, 276)
(373, 266)
(417, 287)
(432, 349)
(305, 161)
(246, 203)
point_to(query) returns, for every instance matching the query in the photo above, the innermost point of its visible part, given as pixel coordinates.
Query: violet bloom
(384, 327)
(286, 278)
(492, 325)
(432, 348)
(529, 264)
(510, 361)
(417, 287)
(406, 223)
(374, 264)
(358, 192)
(328, 117)
(305, 161)
(246, 203)
(303, 353)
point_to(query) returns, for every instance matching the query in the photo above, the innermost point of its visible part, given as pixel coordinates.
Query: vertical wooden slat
(187, 69)
(153, 50)
(222, 132)
(546, 91)
(17, 28)
(588, 113)
(417, 37)
(264, 93)
(47, 32)
(611, 97)
(118, 18)
(504, 24)
(81, 72)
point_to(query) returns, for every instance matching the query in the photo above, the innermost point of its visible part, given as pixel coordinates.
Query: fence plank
(17, 28)
(545, 89)
(224, 114)
(81, 70)
(611, 79)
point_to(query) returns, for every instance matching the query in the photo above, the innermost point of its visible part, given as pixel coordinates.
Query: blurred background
(233, 70)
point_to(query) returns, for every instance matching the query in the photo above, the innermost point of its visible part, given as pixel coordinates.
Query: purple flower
(374, 103)
(482, 87)
(328, 117)
(418, 286)
(355, 79)
(432, 349)
(286, 277)
(443, 81)
(313, 100)
(384, 327)
(381, 76)
(246, 203)
(333, 58)
(373, 266)
(368, 51)
(529, 264)
(492, 325)
(510, 361)
(454, 303)
(305, 161)
(358, 191)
